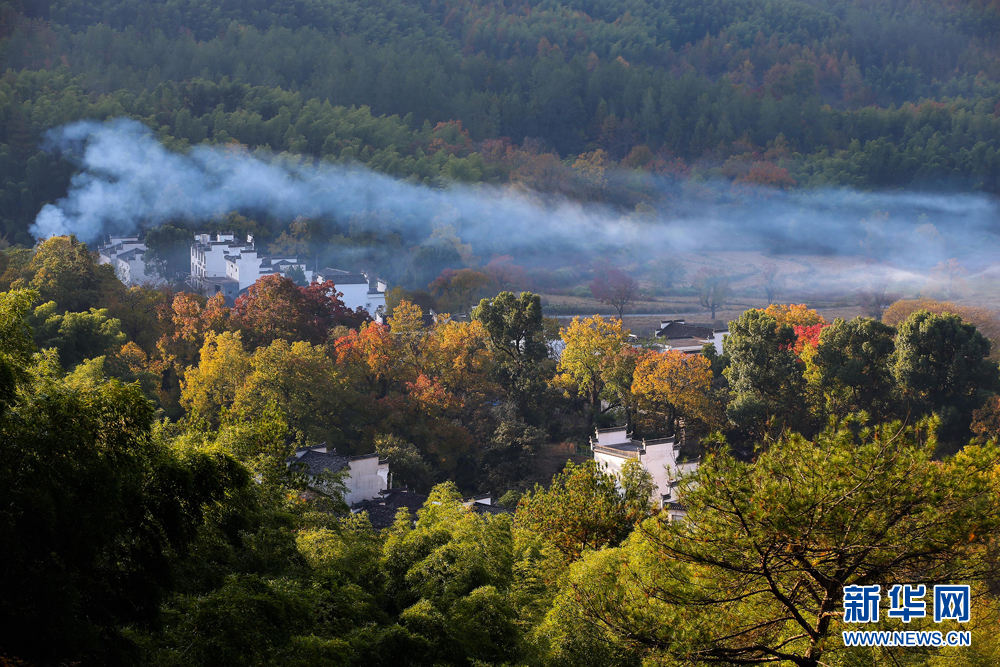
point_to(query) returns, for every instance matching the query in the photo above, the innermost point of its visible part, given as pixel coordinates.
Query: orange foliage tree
(986, 420)
(371, 356)
(427, 384)
(185, 323)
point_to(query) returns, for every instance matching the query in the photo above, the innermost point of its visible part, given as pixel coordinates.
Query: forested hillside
(788, 94)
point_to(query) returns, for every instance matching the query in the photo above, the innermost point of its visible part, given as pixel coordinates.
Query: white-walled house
(367, 475)
(284, 265)
(221, 256)
(245, 267)
(359, 290)
(680, 336)
(248, 267)
(208, 256)
(108, 252)
(127, 255)
(130, 267)
(613, 447)
(224, 285)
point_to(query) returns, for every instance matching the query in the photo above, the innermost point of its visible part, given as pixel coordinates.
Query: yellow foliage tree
(212, 385)
(407, 327)
(458, 355)
(298, 379)
(592, 169)
(597, 362)
(794, 314)
(672, 385)
(302, 381)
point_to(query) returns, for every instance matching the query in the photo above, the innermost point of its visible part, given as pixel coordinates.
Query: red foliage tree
(807, 335)
(769, 175)
(452, 137)
(275, 307)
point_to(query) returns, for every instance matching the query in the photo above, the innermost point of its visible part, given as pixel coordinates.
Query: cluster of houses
(661, 458)
(223, 264)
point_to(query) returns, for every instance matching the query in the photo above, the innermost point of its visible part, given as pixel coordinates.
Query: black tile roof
(313, 463)
(674, 330)
(631, 446)
(131, 254)
(382, 511)
(340, 277)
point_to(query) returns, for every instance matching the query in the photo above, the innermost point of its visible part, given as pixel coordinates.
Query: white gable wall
(355, 294)
(661, 462)
(246, 268)
(366, 479)
(209, 261)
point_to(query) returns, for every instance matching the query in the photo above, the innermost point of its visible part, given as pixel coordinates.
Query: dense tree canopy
(765, 377)
(942, 364)
(128, 452)
(93, 508)
(854, 367)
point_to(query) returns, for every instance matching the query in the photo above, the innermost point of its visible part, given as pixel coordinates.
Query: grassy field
(830, 284)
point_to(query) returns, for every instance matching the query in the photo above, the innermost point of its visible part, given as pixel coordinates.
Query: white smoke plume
(129, 181)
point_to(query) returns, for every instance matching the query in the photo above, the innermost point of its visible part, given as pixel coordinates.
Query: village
(220, 264)
(223, 265)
